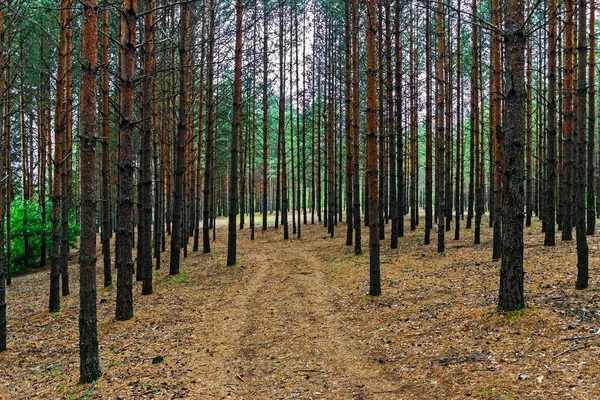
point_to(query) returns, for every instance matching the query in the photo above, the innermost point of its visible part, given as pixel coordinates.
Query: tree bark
(144, 250)
(580, 151)
(89, 361)
(235, 129)
(124, 237)
(550, 197)
(374, 266)
(511, 296)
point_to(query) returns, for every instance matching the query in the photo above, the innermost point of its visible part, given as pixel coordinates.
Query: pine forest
(312, 199)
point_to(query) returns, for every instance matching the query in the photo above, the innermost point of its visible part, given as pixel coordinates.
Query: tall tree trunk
(348, 126)
(124, 237)
(496, 131)
(66, 165)
(568, 121)
(284, 188)
(580, 151)
(60, 122)
(511, 295)
(144, 250)
(459, 127)
(89, 361)
(43, 144)
(105, 196)
(235, 129)
(529, 135)
(210, 126)
(550, 195)
(475, 181)
(591, 209)
(399, 125)
(265, 110)
(355, 133)
(414, 210)
(177, 238)
(200, 126)
(374, 270)
(391, 133)
(439, 112)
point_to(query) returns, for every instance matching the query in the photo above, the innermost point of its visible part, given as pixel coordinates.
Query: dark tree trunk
(105, 196)
(89, 367)
(60, 117)
(348, 126)
(374, 270)
(511, 295)
(210, 127)
(144, 249)
(550, 196)
(496, 132)
(265, 110)
(236, 127)
(66, 165)
(568, 122)
(284, 188)
(591, 190)
(124, 238)
(580, 152)
(439, 112)
(355, 132)
(177, 232)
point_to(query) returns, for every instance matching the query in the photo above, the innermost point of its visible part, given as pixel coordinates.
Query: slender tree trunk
(210, 126)
(550, 197)
(200, 125)
(265, 110)
(177, 234)
(66, 166)
(391, 132)
(511, 273)
(60, 117)
(399, 124)
(89, 361)
(529, 136)
(355, 133)
(440, 126)
(475, 186)
(348, 126)
(124, 238)
(568, 121)
(374, 270)
(414, 210)
(580, 151)
(459, 127)
(284, 188)
(144, 250)
(236, 127)
(105, 196)
(496, 131)
(591, 189)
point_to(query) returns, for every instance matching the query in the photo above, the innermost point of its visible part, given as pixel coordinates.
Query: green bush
(26, 220)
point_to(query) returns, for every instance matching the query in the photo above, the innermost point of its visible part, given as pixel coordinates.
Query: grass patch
(181, 277)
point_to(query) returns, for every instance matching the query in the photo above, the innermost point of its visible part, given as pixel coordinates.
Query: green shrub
(26, 221)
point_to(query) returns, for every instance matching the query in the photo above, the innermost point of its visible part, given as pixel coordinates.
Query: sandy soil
(292, 320)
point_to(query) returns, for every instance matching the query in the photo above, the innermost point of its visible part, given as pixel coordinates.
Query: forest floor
(292, 320)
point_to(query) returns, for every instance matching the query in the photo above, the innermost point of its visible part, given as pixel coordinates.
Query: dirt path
(292, 320)
(290, 341)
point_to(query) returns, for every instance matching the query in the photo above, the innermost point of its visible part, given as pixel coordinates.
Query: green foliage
(26, 221)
